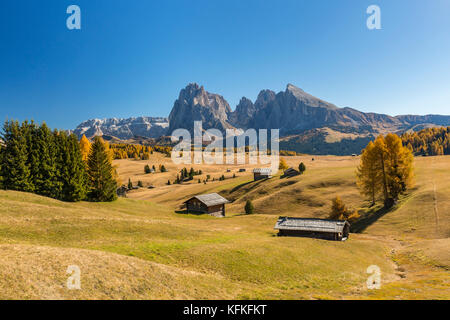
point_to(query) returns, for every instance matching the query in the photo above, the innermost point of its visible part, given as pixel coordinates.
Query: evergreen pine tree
(29, 131)
(45, 177)
(75, 178)
(15, 170)
(301, 168)
(249, 209)
(100, 172)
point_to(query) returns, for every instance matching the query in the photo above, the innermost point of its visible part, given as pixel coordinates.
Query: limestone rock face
(244, 112)
(149, 127)
(194, 103)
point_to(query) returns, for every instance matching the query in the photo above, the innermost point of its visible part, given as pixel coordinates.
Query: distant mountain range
(307, 124)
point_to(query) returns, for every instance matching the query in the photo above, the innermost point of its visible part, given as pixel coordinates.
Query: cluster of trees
(140, 184)
(36, 159)
(288, 153)
(137, 151)
(131, 151)
(186, 175)
(148, 170)
(386, 169)
(428, 142)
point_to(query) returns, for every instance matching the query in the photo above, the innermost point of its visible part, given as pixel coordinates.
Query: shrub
(249, 209)
(301, 168)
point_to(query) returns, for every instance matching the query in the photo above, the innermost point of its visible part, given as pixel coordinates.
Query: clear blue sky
(131, 58)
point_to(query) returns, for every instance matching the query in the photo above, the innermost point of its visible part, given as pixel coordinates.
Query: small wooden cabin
(337, 230)
(122, 191)
(211, 203)
(291, 172)
(262, 173)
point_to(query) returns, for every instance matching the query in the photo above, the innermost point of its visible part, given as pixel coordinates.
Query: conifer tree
(386, 168)
(29, 131)
(45, 175)
(368, 173)
(249, 209)
(85, 147)
(15, 168)
(301, 168)
(100, 172)
(1, 163)
(283, 165)
(74, 178)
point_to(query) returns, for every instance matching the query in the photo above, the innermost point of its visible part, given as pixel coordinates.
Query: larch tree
(85, 147)
(283, 165)
(386, 168)
(100, 172)
(399, 168)
(368, 173)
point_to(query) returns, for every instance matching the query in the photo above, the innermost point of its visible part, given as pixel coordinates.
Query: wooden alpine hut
(211, 203)
(314, 228)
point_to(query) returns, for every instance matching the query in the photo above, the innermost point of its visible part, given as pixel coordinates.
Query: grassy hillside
(142, 248)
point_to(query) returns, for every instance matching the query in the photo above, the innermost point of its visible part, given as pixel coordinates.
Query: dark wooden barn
(314, 228)
(291, 172)
(262, 173)
(211, 203)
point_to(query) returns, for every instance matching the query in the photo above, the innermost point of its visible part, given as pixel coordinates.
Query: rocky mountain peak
(194, 103)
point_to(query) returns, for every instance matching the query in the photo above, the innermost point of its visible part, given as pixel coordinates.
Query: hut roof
(211, 199)
(309, 224)
(263, 170)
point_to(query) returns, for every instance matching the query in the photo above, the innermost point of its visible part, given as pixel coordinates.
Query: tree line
(428, 142)
(33, 158)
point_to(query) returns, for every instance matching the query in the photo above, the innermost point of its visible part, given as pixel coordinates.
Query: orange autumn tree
(385, 170)
(85, 147)
(283, 165)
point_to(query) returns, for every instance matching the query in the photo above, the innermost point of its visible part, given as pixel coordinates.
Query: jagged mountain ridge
(149, 127)
(298, 115)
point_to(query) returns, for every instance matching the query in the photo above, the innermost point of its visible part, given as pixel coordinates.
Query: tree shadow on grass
(369, 218)
(240, 186)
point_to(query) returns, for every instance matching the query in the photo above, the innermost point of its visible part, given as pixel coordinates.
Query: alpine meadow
(224, 159)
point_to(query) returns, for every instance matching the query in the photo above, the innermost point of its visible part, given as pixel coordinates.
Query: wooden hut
(262, 173)
(211, 203)
(314, 228)
(291, 172)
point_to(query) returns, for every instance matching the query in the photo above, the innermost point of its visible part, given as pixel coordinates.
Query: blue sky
(131, 58)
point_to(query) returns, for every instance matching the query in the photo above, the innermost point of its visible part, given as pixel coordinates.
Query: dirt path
(436, 212)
